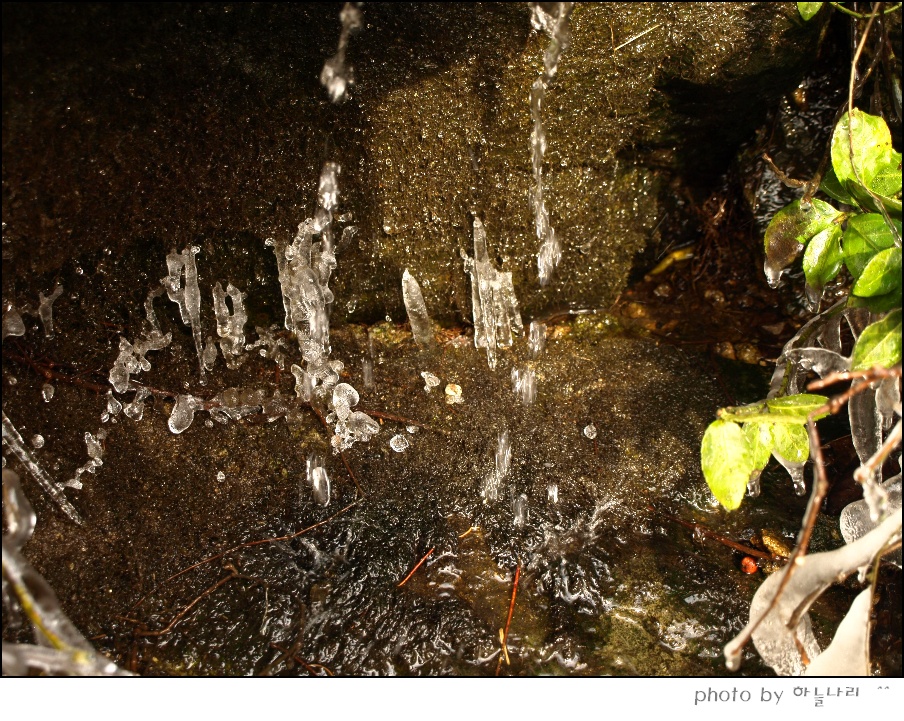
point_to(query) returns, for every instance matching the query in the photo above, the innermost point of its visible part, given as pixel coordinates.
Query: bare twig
(508, 621)
(419, 564)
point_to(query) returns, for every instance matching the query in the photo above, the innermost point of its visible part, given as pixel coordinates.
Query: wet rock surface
(207, 126)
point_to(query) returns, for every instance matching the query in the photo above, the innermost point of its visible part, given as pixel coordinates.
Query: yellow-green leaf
(879, 344)
(726, 461)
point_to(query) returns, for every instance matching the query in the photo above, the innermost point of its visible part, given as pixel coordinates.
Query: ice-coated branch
(64, 650)
(230, 326)
(775, 642)
(13, 441)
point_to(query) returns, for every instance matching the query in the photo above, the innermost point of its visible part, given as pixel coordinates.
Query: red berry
(748, 565)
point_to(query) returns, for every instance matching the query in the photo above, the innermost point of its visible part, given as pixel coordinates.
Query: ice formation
(421, 327)
(520, 511)
(453, 394)
(45, 309)
(183, 413)
(536, 338)
(503, 461)
(555, 25)
(775, 642)
(524, 384)
(12, 321)
(230, 326)
(430, 381)
(13, 441)
(187, 295)
(493, 301)
(132, 359)
(61, 649)
(857, 519)
(337, 74)
(399, 443)
(318, 479)
(95, 458)
(47, 392)
(590, 431)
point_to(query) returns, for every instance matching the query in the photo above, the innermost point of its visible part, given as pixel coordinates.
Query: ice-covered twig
(13, 441)
(64, 649)
(776, 603)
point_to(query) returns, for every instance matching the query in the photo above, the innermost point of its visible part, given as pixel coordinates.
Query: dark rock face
(177, 124)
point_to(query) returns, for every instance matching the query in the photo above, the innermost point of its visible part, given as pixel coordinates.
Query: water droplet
(37, 440)
(47, 392)
(221, 476)
(453, 394)
(590, 431)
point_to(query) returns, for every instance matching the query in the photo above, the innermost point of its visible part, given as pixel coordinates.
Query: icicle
(230, 326)
(494, 305)
(337, 75)
(187, 295)
(13, 441)
(536, 338)
(520, 511)
(421, 327)
(45, 309)
(556, 26)
(524, 383)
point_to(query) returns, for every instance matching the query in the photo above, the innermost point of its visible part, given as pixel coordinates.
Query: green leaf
(791, 229)
(865, 236)
(791, 442)
(879, 344)
(834, 189)
(759, 443)
(801, 405)
(822, 259)
(877, 303)
(726, 462)
(887, 176)
(861, 146)
(881, 275)
(809, 10)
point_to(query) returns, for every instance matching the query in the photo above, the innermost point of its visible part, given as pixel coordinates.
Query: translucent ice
(230, 326)
(47, 392)
(345, 397)
(135, 409)
(45, 309)
(493, 301)
(399, 443)
(856, 519)
(453, 394)
(13, 441)
(95, 459)
(536, 338)
(551, 18)
(318, 479)
(37, 441)
(590, 431)
(430, 381)
(524, 384)
(182, 288)
(503, 454)
(520, 510)
(12, 322)
(183, 413)
(552, 492)
(421, 327)
(337, 75)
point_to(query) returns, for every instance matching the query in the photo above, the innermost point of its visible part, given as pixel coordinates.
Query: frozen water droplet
(411, 429)
(430, 381)
(421, 327)
(318, 479)
(753, 485)
(47, 392)
(590, 431)
(37, 441)
(221, 476)
(399, 443)
(183, 414)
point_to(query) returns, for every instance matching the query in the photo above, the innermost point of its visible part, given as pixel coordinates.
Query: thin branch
(508, 621)
(419, 564)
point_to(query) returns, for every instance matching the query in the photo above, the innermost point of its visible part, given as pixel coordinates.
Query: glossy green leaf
(823, 257)
(834, 189)
(879, 344)
(862, 153)
(877, 303)
(887, 177)
(809, 10)
(865, 236)
(791, 442)
(791, 229)
(801, 405)
(726, 461)
(881, 275)
(759, 443)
